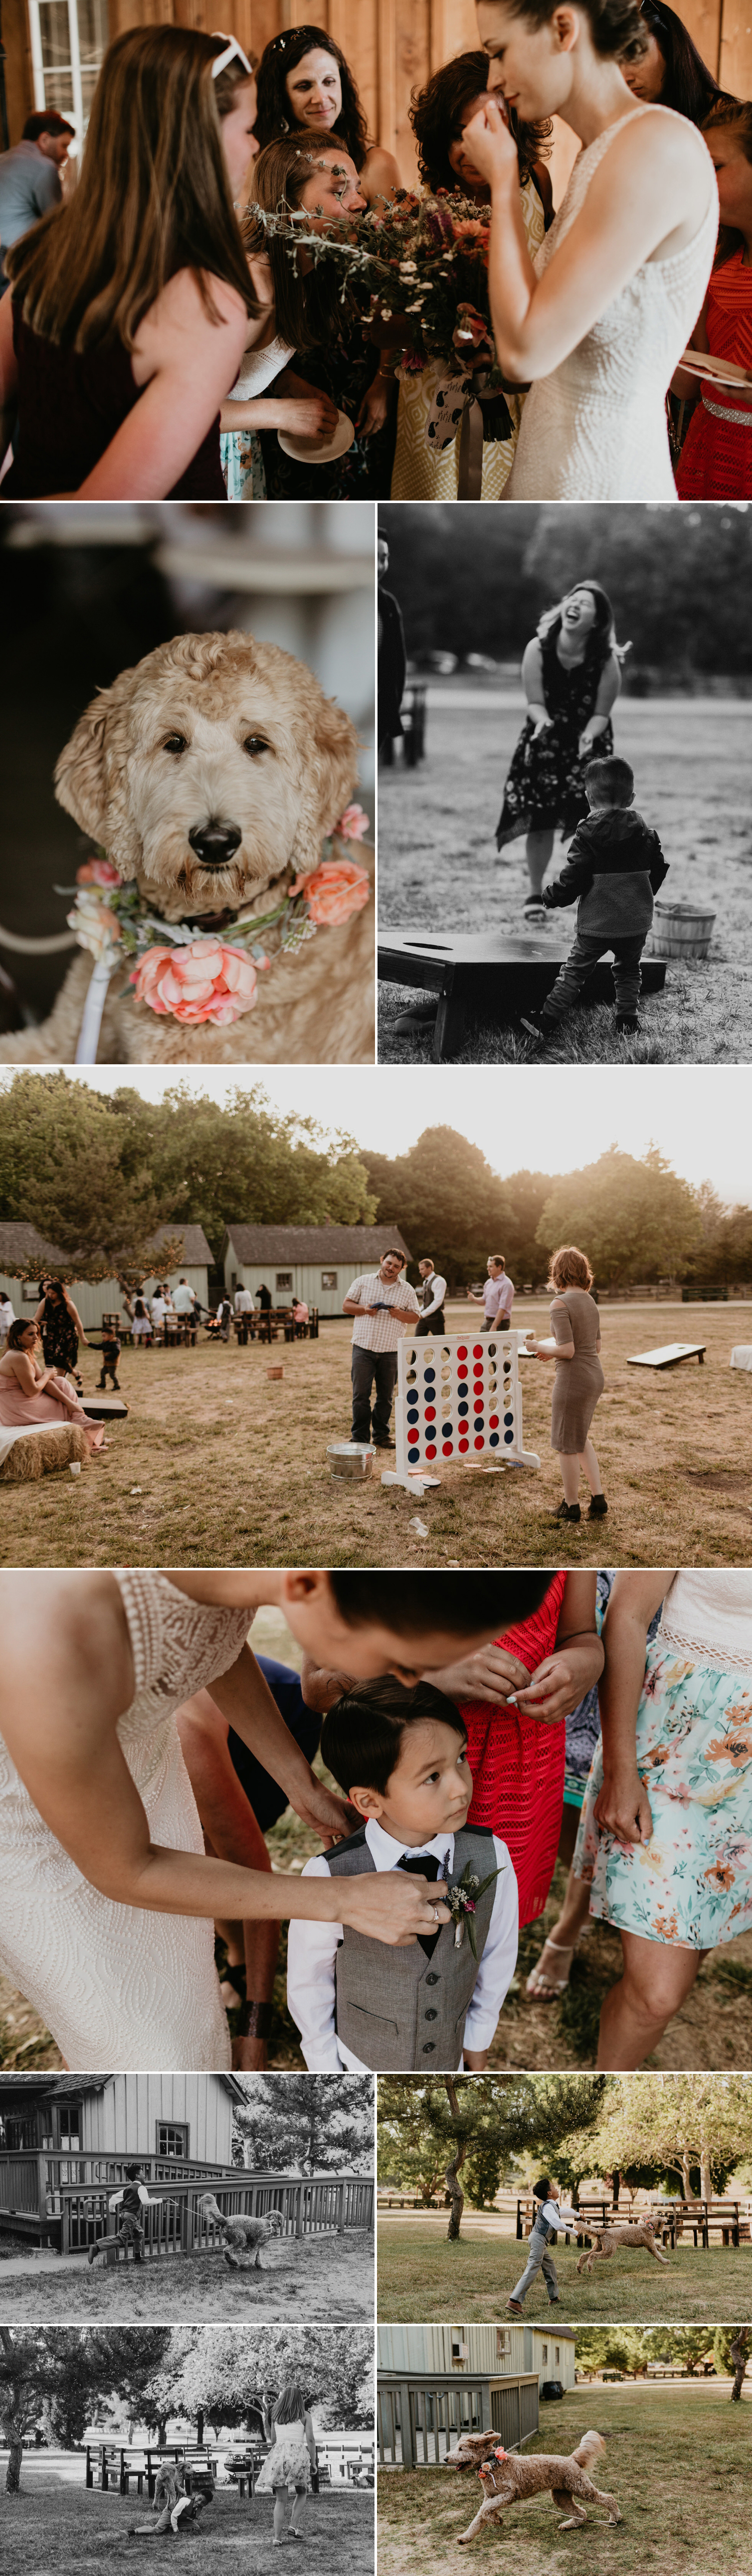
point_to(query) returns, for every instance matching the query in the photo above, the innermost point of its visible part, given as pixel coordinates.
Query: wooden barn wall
(123, 2119)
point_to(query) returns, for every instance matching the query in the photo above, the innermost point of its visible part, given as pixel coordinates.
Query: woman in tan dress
(575, 1346)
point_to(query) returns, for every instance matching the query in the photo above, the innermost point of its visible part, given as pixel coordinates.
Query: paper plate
(715, 372)
(305, 454)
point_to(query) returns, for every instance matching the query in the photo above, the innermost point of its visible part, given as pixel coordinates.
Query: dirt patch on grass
(422, 2276)
(329, 2277)
(713, 2028)
(56, 2530)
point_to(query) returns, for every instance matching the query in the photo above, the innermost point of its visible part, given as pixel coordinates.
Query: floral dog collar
(190, 974)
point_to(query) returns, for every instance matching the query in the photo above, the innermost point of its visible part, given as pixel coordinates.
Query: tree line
(97, 1175)
(684, 2133)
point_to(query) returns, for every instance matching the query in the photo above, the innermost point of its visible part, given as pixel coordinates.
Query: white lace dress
(118, 1987)
(595, 430)
(288, 2463)
(242, 460)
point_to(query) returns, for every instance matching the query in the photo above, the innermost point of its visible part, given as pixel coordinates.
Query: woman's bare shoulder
(181, 308)
(59, 1625)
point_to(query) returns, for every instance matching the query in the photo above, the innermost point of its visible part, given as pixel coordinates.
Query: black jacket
(614, 843)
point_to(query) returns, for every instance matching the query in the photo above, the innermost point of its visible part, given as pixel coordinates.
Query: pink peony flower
(334, 890)
(352, 824)
(98, 872)
(206, 981)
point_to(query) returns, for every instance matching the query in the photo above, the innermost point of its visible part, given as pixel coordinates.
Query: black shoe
(538, 1027)
(116, 1386)
(567, 1512)
(415, 1024)
(627, 1024)
(383, 1444)
(598, 1507)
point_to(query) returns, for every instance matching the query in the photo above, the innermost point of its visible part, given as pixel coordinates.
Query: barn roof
(306, 1243)
(23, 1243)
(63, 2088)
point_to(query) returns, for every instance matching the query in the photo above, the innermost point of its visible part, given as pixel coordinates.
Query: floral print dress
(545, 788)
(691, 1884)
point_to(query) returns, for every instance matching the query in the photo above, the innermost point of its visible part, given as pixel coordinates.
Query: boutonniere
(462, 1899)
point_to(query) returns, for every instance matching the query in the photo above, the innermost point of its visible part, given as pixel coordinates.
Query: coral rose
(334, 890)
(98, 872)
(352, 824)
(201, 981)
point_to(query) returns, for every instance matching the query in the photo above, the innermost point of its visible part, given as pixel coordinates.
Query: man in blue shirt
(30, 176)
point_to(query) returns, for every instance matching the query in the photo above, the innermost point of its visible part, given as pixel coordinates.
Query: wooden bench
(477, 976)
(669, 1355)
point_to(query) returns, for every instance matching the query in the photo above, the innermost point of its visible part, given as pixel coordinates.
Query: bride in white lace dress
(107, 1897)
(597, 324)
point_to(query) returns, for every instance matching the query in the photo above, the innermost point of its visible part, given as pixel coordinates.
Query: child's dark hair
(542, 2188)
(452, 1605)
(133, 2172)
(361, 1737)
(612, 779)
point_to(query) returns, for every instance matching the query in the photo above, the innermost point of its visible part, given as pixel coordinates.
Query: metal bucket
(681, 930)
(350, 1459)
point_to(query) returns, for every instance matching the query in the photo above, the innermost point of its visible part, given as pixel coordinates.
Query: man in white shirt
(383, 1307)
(433, 1292)
(243, 1308)
(183, 1298)
(7, 1317)
(497, 1295)
(549, 2216)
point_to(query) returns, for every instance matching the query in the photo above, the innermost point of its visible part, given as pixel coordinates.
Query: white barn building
(488, 2351)
(315, 1262)
(93, 1298)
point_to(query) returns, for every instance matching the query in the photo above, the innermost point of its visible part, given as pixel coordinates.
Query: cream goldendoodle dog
(507, 2479)
(209, 775)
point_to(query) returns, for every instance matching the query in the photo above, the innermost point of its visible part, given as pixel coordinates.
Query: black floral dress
(545, 786)
(59, 1336)
(343, 371)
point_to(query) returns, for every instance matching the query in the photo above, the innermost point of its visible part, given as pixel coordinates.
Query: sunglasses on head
(232, 50)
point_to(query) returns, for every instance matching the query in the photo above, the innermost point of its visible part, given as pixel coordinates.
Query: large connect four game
(458, 1397)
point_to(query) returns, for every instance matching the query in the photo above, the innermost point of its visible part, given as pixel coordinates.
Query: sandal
(542, 1988)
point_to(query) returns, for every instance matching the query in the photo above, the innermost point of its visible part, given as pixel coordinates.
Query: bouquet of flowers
(418, 270)
(462, 1899)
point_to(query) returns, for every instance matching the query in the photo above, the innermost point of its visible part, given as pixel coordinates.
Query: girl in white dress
(598, 323)
(287, 2467)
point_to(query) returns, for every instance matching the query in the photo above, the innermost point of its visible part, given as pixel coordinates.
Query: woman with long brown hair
(316, 315)
(307, 90)
(129, 306)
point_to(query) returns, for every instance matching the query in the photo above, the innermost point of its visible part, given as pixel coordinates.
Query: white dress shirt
(498, 1296)
(380, 1332)
(243, 1301)
(182, 1299)
(437, 1287)
(554, 2213)
(312, 1951)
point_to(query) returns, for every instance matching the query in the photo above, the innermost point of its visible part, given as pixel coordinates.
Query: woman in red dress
(716, 459)
(515, 1697)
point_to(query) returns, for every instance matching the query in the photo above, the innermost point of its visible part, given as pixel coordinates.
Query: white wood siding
(105, 1297)
(306, 1281)
(429, 2347)
(123, 2119)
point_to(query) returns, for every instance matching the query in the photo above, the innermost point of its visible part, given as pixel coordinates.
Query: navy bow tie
(424, 1865)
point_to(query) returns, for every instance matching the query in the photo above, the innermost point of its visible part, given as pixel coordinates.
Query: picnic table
(669, 1355)
(493, 978)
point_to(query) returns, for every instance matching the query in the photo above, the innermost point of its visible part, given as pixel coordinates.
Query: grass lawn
(56, 2530)
(219, 1465)
(677, 2462)
(421, 2276)
(319, 2276)
(439, 867)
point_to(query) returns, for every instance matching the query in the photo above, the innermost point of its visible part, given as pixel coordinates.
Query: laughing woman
(598, 322)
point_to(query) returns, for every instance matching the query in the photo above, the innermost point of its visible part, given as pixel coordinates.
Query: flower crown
(202, 974)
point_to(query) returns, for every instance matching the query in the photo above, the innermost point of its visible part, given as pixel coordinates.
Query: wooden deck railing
(62, 2200)
(422, 2414)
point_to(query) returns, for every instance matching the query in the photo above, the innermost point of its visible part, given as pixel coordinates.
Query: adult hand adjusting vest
(395, 2008)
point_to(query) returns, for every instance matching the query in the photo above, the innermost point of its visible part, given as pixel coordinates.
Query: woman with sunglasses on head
(439, 116)
(129, 307)
(306, 88)
(267, 394)
(316, 314)
(598, 323)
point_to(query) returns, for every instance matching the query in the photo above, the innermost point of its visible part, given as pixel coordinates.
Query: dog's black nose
(215, 843)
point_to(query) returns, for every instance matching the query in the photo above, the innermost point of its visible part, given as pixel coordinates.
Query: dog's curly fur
(139, 801)
(607, 2240)
(243, 2237)
(510, 2479)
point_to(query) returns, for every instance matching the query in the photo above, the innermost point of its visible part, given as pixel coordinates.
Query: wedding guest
(140, 1320)
(439, 116)
(571, 672)
(30, 176)
(669, 72)
(316, 314)
(716, 460)
(130, 304)
(266, 395)
(515, 1697)
(391, 652)
(614, 868)
(575, 1348)
(286, 2472)
(497, 1296)
(7, 1317)
(306, 88)
(433, 1292)
(598, 324)
(30, 1393)
(383, 1306)
(60, 1326)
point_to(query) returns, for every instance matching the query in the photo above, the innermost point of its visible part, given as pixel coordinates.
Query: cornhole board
(104, 1408)
(741, 1356)
(496, 979)
(669, 1356)
(457, 1398)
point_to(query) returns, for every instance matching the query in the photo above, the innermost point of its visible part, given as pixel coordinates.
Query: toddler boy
(615, 866)
(131, 2200)
(401, 1757)
(110, 1349)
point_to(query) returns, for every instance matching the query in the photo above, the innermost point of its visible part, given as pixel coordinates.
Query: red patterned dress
(517, 1763)
(716, 459)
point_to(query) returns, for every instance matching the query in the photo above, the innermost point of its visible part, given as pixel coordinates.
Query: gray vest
(396, 2008)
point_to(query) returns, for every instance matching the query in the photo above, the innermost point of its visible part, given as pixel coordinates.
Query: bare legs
(231, 1831)
(551, 1972)
(572, 1467)
(538, 849)
(284, 2522)
(656, 1980)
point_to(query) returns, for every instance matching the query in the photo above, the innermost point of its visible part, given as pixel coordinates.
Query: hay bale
(45, 1453)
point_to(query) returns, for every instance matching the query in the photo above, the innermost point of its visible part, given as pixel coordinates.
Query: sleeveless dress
(716, 459)
(595, 429)
(545, 788)
(423, 473)
(578, 1382)
(288, 2463)
(691, 1885)
(242, 460)
(117, 1986)
(59, 1335)
(71, 402)
(517, 1764)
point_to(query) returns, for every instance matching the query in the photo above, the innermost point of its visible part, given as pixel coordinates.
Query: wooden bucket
(275, 1372)
(681, 930)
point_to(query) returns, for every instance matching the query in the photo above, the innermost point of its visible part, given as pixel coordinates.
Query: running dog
(507, 2479)
(607, 2240)
(244, 2237)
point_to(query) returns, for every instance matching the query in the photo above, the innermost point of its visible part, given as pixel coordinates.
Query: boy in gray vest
(401, 1757)
(614, 867)
(130, 2200)
(549, 2216)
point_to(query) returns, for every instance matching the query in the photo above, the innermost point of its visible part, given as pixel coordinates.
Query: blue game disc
(429, 1373)
(446, 1431)
(509, 1417)
(413, 1455)
(508, 1435)
(493, 1439)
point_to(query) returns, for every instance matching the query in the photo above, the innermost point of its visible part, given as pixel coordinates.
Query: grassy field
(677, 2462)
(327, 2276)
(438, 866)
(218, 1465)
(56, 2530)
(421, 2276)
